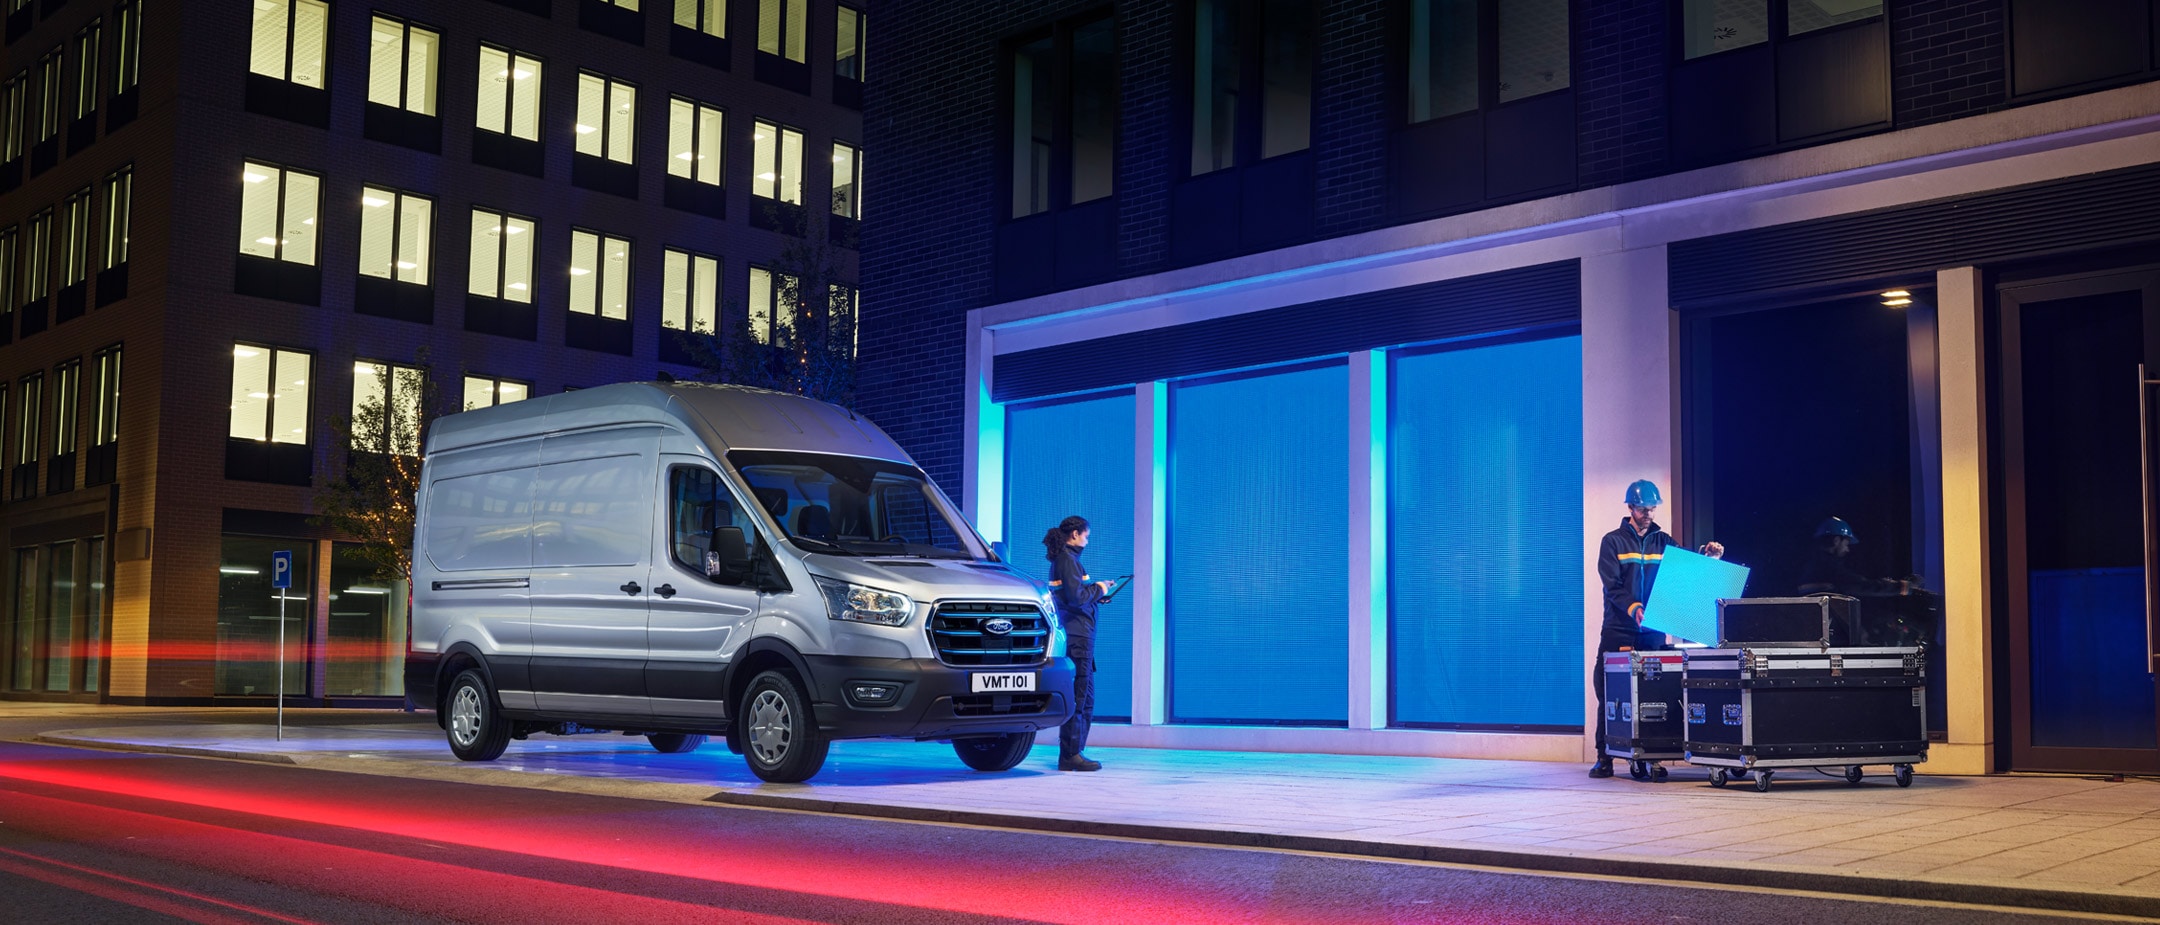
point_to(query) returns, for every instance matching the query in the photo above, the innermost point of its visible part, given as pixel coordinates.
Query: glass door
(2076, 364)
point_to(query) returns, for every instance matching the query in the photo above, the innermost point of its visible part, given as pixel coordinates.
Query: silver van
(679, 560)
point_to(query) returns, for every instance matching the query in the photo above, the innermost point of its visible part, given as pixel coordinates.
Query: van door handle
(631, 588)
(665, 590)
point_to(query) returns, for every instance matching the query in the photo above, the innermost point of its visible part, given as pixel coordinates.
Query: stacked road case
(1758, 703)
(1642, 710)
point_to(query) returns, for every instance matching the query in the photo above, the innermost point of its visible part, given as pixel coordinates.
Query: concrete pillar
(982, 437)
(1368, 626)
(1151, 472)
(1630, 405)
(1960, 304)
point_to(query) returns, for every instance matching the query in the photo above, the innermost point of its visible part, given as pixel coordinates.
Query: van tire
(472, 720)
(994, 753)
(675, 743)
(781, 741)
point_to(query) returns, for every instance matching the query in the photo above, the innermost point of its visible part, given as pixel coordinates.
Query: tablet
(1122, 581)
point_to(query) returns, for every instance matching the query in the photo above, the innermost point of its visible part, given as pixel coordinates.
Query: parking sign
(281, 569)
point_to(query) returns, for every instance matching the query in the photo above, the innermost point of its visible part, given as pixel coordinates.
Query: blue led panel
(1485, 536)
(1258, 559)
(1076, 457)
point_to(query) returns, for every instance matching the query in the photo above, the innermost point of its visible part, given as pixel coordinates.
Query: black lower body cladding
(933, 701)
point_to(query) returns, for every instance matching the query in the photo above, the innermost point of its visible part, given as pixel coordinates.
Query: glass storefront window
(25, 613)
(60, 622)
(366, 654)
(94, 614)
(247, 627)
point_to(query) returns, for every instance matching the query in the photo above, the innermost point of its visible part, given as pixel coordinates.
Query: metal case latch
(1837, 665)
(1652, 668)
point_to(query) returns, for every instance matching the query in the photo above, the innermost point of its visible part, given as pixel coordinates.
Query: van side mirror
(728, 560)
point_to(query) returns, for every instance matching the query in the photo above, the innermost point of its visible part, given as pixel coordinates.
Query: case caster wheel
(1853, 774)
(1638, 770)
(1718, 777)
(1904, 775)
(1762, 782)
(1657, 773)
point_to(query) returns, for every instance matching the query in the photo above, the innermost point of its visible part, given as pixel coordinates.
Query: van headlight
(859, 604)
(1049, 604)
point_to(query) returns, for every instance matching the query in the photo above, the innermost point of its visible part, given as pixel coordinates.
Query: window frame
(1057, 190)
(606, 130)
(1777, 16)
(800, 44)
(854, 184)
(778, 179)
(15, 138)
(503, 286)
(10, 275)
(511, 59)
(105, 430)
(283, 176)
(75, 244)
(127, 51)
(52, 73)
(1248, 131)
(698, 112)
(841, 10)
(434, 62)
(689, 311)
(37, 257)
(86, 70)
(67, 407)
(704, 19)
(29, 418)
(601, 279)
(495, 384)
(118, 214)
(292, 39)
(400, 437)
(765, 319)
(271, 399)
(753, 536)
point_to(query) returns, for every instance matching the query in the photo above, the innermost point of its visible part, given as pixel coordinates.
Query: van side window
(709, 533)
(903, 513)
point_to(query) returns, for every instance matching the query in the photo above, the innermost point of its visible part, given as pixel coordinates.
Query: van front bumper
(931, 700)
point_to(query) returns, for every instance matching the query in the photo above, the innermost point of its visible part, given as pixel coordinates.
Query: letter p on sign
(281, 569)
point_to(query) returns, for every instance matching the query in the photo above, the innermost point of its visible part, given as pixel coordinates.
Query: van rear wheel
(780, 737)
(674, 743)
(994, 753)
(473, 722)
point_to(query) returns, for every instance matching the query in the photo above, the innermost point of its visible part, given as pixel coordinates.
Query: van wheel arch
(457, 660)
(756, 659)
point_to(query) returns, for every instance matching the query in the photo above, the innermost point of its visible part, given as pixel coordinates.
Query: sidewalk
(2066, 843)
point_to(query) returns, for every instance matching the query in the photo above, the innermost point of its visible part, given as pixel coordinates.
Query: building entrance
(2075, 364)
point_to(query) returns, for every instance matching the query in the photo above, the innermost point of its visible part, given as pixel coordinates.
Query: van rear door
(592, 540)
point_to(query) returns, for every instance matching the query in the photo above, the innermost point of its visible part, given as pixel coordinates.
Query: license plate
(1006, 683)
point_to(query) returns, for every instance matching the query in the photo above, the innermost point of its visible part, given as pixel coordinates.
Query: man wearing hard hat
(1627, 564)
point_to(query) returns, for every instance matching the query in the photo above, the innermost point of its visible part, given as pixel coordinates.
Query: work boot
(1081, 763)
(1603, 768)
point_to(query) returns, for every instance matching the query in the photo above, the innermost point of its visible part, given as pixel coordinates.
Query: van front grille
(999, 704)
(957, 631)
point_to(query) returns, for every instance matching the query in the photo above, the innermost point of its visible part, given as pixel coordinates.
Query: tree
(802, 340)
(371, 496)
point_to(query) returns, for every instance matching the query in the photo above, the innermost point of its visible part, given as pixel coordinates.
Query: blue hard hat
(1644, 493)
(1836, 526)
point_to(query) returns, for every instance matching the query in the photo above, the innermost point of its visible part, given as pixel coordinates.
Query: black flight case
(1642, 710)
(1819, 620)
(1756, 708)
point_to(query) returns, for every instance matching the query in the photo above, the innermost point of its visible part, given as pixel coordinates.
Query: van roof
(726, 417)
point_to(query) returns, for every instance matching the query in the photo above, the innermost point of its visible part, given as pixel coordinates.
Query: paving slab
(2056, 842)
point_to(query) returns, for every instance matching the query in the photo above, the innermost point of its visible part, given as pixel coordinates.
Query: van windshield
(854, 506)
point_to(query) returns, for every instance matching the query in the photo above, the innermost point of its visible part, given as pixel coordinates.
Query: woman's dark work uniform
(1076, 598)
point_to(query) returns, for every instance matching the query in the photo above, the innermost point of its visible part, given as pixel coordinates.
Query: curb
(1970, 893)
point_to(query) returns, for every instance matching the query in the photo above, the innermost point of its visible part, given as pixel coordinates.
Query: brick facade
(1948, 59)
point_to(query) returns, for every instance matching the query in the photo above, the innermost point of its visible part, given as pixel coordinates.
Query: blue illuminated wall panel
(1258, 560)
(1485, 526)
(1076, 457)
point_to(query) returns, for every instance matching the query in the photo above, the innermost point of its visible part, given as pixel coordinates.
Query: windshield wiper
(828, 544)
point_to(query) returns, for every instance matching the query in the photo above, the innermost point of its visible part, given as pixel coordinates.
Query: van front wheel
(780, 738)
(475, 725)
(994, 753)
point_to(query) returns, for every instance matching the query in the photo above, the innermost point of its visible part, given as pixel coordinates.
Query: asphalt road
(93, 836)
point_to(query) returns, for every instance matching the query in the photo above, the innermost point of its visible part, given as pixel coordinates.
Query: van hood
(931, 580)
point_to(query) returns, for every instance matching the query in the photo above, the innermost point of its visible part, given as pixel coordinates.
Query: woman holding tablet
(1076, 598)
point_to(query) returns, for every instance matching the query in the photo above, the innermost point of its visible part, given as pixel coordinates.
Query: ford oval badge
(997, 627)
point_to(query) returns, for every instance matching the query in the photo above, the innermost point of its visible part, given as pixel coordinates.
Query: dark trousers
(1609, 642)
(1072, 737)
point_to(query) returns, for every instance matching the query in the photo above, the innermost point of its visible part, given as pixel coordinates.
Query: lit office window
(289, 40)
(402, 61)
(27, 420)
(848, 44)
(599, 275)
(843, 307)
(127, 58)
(776, 155)
(119, 199)
(846, 181)
(8, 243)
(1533, 48)
(105, 426)
(75, 238)
(51, 74)
(394, 235)
(509, 93)
(1802, 16)
(277, 213)
(86, 69)
(67, 379)
(780, 28)
(622, 4)
(1711, 26)
(772, 306)
(606, 117)
(482, 392)
(694, 146)
(15, 119)
(37, 257)
(386, 407)
(691, 300)
(707, 16)
(269, 394)
(502, 256)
